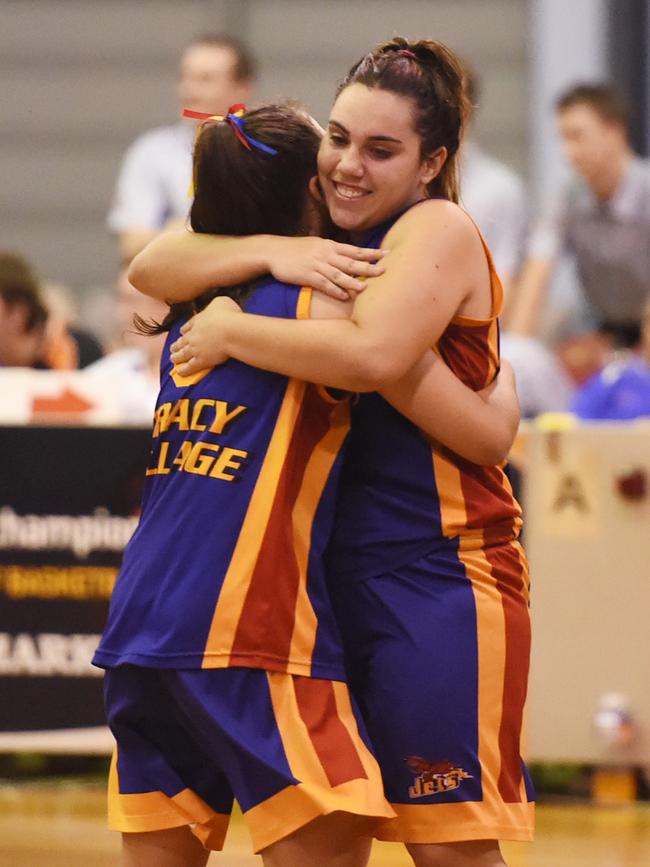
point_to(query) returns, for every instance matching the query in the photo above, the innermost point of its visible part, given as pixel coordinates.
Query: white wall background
(81, 78)
(567, 43)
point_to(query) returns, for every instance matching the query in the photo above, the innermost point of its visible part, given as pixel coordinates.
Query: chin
(350, 222)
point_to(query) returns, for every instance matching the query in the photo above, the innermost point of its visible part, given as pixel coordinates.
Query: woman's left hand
(200, 344)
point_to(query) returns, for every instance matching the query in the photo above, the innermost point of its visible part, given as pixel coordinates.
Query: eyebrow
(370, 138)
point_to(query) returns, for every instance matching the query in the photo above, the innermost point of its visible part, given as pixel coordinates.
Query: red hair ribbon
(234, 119)
(404, 52)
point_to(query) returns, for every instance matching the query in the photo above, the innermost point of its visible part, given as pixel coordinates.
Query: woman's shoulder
(439, 219)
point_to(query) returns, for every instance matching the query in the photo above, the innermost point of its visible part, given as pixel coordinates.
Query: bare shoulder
(438, 222)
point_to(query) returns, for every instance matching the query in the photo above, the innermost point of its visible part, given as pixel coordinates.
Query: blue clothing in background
(619, 392)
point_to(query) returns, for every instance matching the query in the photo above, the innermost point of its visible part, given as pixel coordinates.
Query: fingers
(362, 254)
(327, 287)
(360, 268)
(180, 354)
(343, 280)
(188, 368)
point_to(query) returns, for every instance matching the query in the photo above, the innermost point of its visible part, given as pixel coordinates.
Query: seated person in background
(133, 359)
(66, 345)
(543, 385)
(602, 218)
(22, 313)
(622, 389)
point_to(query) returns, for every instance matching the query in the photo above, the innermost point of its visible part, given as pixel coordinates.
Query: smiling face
(369, 164)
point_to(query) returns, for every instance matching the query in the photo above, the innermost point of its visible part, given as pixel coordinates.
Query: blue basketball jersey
(403, 495)
(226, 565)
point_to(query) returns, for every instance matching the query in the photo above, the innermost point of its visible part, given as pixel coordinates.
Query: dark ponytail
(431, 76)
(241, 191)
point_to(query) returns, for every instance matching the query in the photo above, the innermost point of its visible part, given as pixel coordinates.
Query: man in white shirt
(152, 190)
(602, 217)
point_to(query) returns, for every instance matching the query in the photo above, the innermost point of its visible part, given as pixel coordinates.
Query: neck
(356, 236)
(608, 180)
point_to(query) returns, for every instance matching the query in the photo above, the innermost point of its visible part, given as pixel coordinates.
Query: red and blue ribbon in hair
(235, 119)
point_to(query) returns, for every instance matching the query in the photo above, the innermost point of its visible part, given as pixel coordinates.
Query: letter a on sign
(571, 491)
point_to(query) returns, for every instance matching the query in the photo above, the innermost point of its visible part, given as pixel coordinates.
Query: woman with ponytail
(426, 573)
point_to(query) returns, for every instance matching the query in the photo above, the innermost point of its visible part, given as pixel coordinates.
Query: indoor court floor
(63, 826)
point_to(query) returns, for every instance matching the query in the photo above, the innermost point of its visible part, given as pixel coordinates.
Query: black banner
(69, 500)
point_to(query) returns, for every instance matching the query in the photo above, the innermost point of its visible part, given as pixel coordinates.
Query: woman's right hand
(328, 266)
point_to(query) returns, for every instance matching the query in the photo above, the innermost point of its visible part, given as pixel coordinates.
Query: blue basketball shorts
(438, 655)
(287, 748)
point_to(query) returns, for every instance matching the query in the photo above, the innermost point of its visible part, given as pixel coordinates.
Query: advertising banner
(69, 501)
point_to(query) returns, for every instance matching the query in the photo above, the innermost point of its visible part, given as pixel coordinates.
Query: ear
(315, 190)
(432, 165)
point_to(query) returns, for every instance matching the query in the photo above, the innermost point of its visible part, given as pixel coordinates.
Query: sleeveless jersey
(401, 495)
(226, 565)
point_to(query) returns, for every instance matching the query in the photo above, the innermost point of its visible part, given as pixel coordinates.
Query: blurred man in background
(602, 217)
(153, 185)
(22, 313)
(493, 194)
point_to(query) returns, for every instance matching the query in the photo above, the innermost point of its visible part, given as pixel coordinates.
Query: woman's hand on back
(336, 269)
(199, 345)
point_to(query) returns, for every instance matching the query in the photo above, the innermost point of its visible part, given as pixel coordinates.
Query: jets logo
(434, 777)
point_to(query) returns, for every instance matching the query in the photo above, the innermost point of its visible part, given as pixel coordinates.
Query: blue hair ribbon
(235, 119)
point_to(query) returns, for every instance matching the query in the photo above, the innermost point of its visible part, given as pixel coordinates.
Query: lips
(348, 192)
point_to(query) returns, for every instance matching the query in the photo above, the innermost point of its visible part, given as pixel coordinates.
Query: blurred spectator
(133, 359)
(602, 217)
(494, 196)
(66, 346)
(22, 313)
(543, 385)
(130, 303)
(152, 189)
(622, 389)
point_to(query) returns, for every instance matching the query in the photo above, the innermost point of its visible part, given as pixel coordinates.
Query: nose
(350, 162)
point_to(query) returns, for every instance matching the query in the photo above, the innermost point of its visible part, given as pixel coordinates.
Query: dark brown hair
(601, 97)
(244, 67)
(431, 77)
(249, 192)
(472, 86)
(19, 287)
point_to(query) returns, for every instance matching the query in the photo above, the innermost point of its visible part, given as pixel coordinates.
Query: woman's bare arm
(479, 426)
(434, 251)
(181, 265)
